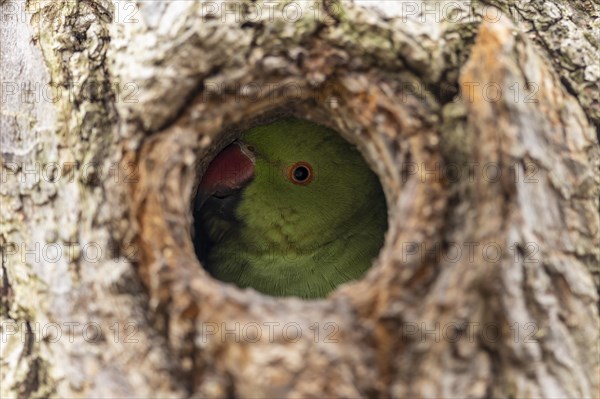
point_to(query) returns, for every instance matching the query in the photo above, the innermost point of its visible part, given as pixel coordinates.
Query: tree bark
(481, 120)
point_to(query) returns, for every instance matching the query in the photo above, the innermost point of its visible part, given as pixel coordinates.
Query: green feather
(285, 239)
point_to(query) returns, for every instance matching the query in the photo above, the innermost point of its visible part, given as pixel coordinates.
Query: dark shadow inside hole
(290, 208)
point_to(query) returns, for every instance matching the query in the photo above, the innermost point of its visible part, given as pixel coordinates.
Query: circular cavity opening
(287, 206)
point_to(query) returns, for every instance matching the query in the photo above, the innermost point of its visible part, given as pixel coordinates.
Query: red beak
(230, 171)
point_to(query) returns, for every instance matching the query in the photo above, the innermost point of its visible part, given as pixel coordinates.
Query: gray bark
(102, 295)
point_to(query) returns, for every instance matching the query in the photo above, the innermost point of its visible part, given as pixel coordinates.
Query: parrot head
(279, 197)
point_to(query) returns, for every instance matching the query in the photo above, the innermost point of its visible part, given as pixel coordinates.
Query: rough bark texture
(502, 93)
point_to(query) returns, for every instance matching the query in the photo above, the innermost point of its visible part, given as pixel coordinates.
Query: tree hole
(289, 208)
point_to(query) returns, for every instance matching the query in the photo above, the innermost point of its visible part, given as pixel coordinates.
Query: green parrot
(290, 209)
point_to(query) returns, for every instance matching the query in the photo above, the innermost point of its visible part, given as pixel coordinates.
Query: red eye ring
(301, 173)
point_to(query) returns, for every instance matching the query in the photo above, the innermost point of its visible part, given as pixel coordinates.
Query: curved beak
(231, 170)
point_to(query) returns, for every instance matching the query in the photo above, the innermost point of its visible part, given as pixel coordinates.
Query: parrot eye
(300, 173)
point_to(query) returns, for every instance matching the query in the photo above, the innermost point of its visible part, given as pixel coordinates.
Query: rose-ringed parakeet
(290, 209)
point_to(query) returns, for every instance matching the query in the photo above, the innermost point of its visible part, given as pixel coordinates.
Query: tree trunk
(477, 117)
